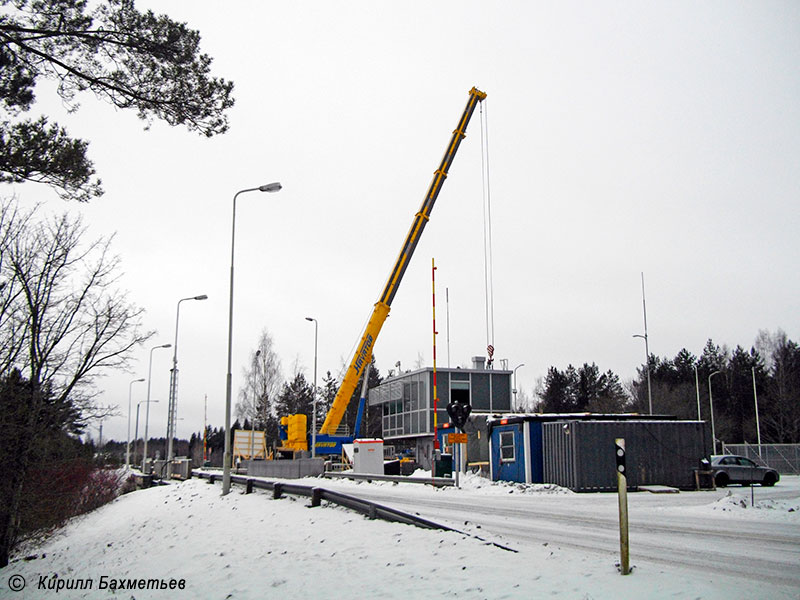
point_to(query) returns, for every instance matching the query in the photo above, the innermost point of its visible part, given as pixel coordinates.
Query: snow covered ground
(251, 546)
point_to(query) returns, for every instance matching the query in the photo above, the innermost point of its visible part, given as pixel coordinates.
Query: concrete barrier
(286, 469)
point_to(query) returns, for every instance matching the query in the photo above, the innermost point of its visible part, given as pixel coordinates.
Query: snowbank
(251, 546)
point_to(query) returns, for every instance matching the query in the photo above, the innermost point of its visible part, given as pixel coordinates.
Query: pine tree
(560, 391)
(781, 406)
(330, 386)
(295, 397)
(130, 59)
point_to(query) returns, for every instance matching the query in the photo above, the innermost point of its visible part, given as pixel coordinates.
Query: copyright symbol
(16, 583)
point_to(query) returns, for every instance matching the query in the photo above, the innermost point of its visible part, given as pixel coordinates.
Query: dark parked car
(740, 469)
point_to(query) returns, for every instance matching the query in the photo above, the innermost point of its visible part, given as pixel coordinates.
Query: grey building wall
(406, 404)
(580, 455)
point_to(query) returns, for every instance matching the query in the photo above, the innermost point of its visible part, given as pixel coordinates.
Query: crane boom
(363, 354)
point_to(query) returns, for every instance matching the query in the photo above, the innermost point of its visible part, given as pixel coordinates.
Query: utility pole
(205, 429)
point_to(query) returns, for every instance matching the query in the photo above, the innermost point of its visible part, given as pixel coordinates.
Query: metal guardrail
(434, 481)
(317, 494)
(369, 509)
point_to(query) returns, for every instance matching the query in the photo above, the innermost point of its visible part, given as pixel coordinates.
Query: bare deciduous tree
(64, 322)
(262, 383)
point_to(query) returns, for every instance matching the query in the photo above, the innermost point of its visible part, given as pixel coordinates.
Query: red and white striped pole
(435, 393)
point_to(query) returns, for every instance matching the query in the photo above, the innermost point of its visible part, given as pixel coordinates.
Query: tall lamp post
(314, 400)
(173, 381)
(755, 399)
(226, 458)
(128, 445)
(136, 434)
(711, 403)
(254, 414)
(515, 384)
(697, 389)
(646, 349)
(647, 365)
(147, 418)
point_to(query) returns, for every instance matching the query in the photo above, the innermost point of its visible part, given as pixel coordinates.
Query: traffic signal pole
(622, 489)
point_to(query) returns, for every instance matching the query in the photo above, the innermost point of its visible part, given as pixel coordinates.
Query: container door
(508, 455)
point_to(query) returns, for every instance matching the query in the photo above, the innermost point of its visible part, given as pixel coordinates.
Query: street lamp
(128, 445)
(254, 412)
(711, 403)
(136, 435)
(646, 348)
(697, 389)
(226, 458)
(755, 399)
(515, 383)
(647, 365)
(173, 381)
(314, 401)
(149, 381)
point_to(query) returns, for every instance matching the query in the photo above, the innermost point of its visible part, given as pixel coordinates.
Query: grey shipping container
(580, 455)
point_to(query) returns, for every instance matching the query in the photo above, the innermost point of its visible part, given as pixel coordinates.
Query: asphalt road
(663, 533)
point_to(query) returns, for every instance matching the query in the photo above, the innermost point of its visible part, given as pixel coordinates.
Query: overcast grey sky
(624, 137)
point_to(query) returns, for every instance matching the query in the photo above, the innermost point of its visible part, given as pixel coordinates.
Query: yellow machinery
(363, 355)
(294, 427)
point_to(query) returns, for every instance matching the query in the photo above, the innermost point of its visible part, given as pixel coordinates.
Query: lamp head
(270, 187)
(201, 297)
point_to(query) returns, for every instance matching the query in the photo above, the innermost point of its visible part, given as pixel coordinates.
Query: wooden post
(622, 489)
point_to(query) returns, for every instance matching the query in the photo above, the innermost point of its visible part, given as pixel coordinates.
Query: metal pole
(515, 385)
(647, 367)
(173, 381)
(226, 457)
(314, 401)
(173, 384)
(144, 454)
(755, 399)
(128, 445)
(622, 494)
(457, 461)
(147, 410)
(436, 449)
(711, 403)
(647, 349)
(697, 389)
(136, 433)
(255, 397)
(447, 304)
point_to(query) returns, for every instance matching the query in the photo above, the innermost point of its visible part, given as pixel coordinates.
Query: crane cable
(487, 232)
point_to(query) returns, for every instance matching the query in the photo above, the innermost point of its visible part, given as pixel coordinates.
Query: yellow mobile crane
(327, 441)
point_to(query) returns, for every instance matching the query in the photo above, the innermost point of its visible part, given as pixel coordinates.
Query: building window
(459, 392)
(507, 453)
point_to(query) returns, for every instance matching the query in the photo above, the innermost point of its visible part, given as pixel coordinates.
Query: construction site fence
(784, 458)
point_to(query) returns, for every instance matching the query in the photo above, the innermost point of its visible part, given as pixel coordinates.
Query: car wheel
(721, 479)
(769, 479)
